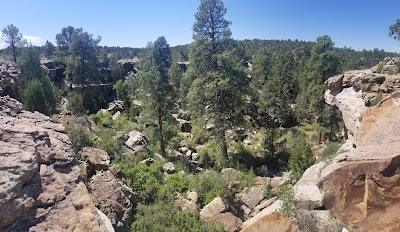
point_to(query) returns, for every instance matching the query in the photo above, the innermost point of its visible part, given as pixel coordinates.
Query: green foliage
(300, 159)
(290, 205)
(49, 49)
(102, 119)
(112, 146)
(75, 103)
(33, 97)
(122, 88)
(212, 184)
(394, 30)
(144, 180)
(378, 98)
(40, 96)
(165, 216)
(79, 137)
(330, 150)
(157, 90)
(80, 51)
(209, 185)
(200, 134)
(29, 64)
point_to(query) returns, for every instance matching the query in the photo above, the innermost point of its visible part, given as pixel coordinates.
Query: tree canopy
(13, 38)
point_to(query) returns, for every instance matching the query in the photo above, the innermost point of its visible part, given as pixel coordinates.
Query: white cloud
(35, 40)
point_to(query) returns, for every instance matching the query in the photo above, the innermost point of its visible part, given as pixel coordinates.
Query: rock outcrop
(9, 76)
(41, 188)
(361, 186)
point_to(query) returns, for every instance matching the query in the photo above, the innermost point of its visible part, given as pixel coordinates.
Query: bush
(33, 97)
(300, 159)
(102, 119)
(330, 150)
(41, 96)
(79, 137)
(165, 216)
(144, 180)
(75, 103)
(378, 98)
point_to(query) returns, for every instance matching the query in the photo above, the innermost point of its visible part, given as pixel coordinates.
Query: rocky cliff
(361, 186)
(40, 184)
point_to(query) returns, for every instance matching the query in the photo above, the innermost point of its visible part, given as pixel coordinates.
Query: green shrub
(144, 180)
(40, 95)
(102, 119)
(33, 97)
(330, 150)
(378, 98)
(111, 146)
(300, 159)
(75, 103)
(200, 135)
(289, 203)
(79, 137)
(177, 182)
(165, 216)
(209, 185)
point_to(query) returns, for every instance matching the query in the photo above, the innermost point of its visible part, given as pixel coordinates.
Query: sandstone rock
(306, 189)
(274, 222)
(264, 204)
(268, 210)
(359, 186)
(188, 203)
(230, 222)
(352, 106)
(116, 115)
(195, 156)
(97, 159)
(136, 141)
(9, 77)
(169, 168)
(148, 161)
(335, 83)
(252, 196)
(212, 209)
(115, 106)
(113, 197)
(39, 176)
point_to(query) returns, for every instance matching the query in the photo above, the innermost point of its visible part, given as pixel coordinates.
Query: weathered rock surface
(306, 189)
(115, 106)
(230, 222)
(9, 76)
(136, 141)
(169, 168)
(274, 222)
(112, 196)
(257, 219)
(360, 186)
(41, 188)
(212, 209)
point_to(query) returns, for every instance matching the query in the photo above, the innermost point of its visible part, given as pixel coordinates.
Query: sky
(357, 24)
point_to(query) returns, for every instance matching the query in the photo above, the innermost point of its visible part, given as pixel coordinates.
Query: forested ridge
(253, 105)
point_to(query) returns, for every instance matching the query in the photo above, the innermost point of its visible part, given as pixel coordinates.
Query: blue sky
(353, 23)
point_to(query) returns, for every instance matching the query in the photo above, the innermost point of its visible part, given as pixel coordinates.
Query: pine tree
(218, 74)
(154, 81)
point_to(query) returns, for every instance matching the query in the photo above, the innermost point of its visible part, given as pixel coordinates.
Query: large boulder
(360, 186)
(169, 168)
(136, 141)
(212, 209)
(230, 222)
(306, 189)
(40, 177)
(9, 77)
(274, 222)
(113, 197)
(115, 106)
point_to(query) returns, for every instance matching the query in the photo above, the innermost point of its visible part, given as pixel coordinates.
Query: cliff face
(361, 186)
(40, 184)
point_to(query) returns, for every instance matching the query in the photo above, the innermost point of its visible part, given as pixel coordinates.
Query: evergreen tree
(154, 81)
(38, 92)
(300, 159)
(322, 64)
(13, 38)
(49, 49)
(218, 74)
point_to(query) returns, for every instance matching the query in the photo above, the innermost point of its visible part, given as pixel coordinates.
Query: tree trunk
(160, 125)
(223, 146)
(14, 52)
